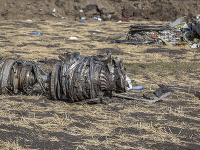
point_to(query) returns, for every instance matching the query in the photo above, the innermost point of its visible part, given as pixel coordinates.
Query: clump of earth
(150, 10)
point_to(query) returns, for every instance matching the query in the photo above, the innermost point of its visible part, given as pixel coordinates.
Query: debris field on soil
(40, 33)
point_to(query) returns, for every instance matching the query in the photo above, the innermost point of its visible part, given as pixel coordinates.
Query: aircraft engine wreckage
(74, 77)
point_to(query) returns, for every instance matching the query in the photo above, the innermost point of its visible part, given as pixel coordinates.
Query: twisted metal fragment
(74, 77)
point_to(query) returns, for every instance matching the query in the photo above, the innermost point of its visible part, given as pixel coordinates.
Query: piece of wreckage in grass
(74, 77)
(87, 78)
(153, 34)
(174, 33)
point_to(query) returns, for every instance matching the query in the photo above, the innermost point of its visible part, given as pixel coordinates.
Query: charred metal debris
(73, 77)
(175, 33)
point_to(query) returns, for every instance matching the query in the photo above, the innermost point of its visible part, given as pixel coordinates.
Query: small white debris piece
(29, 20)
(129, 83)
(54, 10)
(97, 30)
(186, 26)
(109, 16)
(73, 38)
(198, 16)
(194, 45)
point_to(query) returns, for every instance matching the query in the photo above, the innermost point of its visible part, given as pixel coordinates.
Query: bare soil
(159, 10)
(35, 122)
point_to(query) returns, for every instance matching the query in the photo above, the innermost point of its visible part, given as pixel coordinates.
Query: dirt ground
(35, 122)
(160, 10)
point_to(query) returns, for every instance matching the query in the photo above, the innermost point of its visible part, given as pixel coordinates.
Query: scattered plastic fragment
(198, 16)
(130, 87)
(138, 87)
(73, 38)
(131, 83)
(54, 10)
(29, 20)
(55, 14)
(83, 20)
(99, 19)
(109, 16)
(36, 33)
(187, 27)
(98, 30)
(194, 45)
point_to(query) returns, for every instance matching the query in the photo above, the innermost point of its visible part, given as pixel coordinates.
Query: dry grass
(35, 122)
